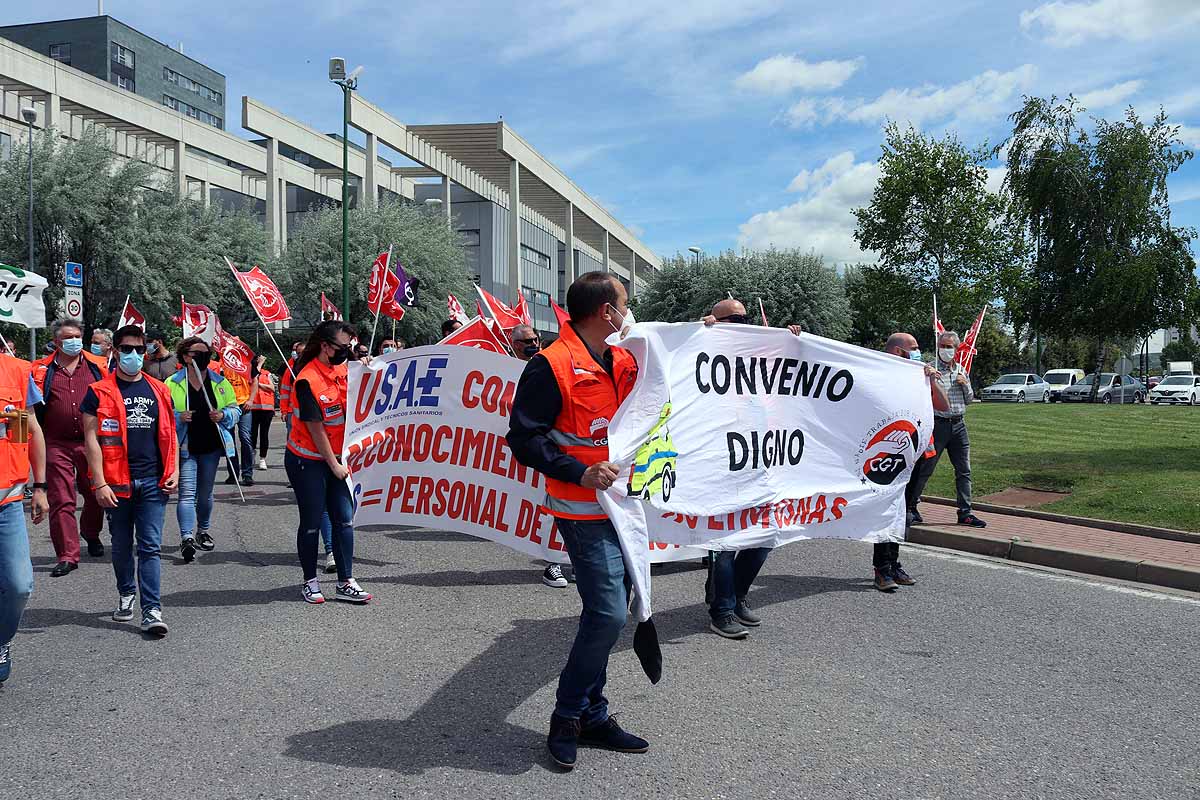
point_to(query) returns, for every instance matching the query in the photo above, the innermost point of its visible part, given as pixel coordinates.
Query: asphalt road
(985, 680)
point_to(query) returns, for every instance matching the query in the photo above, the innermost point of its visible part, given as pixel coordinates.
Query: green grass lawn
(1131, 463)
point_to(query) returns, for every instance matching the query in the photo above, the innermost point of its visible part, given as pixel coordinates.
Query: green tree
(421, 243)
(883, 302)
(1186, 349)
(112, 215)
(934, 223)
(1104, 260)
(795, 288)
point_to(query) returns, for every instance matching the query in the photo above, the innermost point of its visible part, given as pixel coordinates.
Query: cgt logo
(889, 452)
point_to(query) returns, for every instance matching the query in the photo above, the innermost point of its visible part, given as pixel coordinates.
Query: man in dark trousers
(559, 426)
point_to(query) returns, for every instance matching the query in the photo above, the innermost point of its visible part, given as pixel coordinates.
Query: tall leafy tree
(933, 221)
(1104, 260)
(795, 288)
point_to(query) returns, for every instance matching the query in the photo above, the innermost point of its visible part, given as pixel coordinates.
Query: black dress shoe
(610, 736)
(62, 568)
(95, 548)
(563, 741)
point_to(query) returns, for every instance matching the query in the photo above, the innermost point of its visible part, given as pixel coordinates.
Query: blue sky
(715, 123)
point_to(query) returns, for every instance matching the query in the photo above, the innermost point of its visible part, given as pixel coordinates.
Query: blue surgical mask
(72, 347)
(914, 355)
(97, 350)
(387, 350)
(131, 363)
(151, 348)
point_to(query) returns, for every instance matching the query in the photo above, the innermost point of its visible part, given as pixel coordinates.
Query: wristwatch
(39, 486)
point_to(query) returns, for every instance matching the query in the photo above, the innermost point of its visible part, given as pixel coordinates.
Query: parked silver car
(1019, 387)
(1114, 388)
(1177, 389)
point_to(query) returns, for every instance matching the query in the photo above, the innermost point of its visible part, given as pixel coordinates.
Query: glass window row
(184, 82)
(191, 111)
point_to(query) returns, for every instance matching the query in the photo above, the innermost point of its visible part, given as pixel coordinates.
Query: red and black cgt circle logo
(889, 452)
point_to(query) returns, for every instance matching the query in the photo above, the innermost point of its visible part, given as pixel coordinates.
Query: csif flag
(480, 333)
(456, 310)
(328, 309)
(131, 316)
(382, 287)
(262, 293)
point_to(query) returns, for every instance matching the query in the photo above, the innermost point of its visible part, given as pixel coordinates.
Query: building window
(184, 82)
(124, 83)
(469, 238)
(534, 257)
(122, 55)
(5, 147)
(191, 111)
(536, 297)
(61, 52)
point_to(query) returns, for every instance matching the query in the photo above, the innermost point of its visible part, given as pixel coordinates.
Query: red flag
(508, 318)
(965, 356)
(381, 288)
(198, 320)
(236, 354)
(328, 309)
(478, 333)
(562, 316)
(131, 316)
(938, 327)
(262, 293)
(455, 309)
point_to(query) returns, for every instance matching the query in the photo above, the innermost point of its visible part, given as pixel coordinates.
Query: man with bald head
(889, 573)
(732, 572)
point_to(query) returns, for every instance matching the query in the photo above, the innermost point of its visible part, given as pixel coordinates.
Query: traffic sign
(73, 301)
(73, 274)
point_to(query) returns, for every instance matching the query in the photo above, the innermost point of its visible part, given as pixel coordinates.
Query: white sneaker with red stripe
(311, 590)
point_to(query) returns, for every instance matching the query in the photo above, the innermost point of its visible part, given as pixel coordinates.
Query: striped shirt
(960, 396)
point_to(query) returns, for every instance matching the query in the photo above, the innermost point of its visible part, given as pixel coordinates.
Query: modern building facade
(527, 227)
(128, 59)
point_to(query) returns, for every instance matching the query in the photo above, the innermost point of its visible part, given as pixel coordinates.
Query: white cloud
(782, 74)
(1190, 136)
(1065, 24)
(1110, 96)
(821, 220)
(984, 96)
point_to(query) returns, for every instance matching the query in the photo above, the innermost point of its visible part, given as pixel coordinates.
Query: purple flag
(406, 292)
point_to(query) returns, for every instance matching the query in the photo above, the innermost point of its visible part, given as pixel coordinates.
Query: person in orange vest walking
(313, 459)
(22, 448)
(286, 409)
(63, 378)
(133, 456)
(559, 426)
(262, 409)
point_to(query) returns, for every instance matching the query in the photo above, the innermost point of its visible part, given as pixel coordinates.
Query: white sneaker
(262, 463)
(330, 564)
(124, 611)
(311, 590)
(152, 622)
(351, 592)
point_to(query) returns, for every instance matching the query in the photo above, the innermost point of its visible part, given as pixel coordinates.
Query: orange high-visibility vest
(285, 388)
(112, 433)
(14, 456)
(590, 398)
(328, 385)
(263, 396)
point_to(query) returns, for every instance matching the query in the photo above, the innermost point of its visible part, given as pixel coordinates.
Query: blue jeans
(197, 474)
(604, 589)
(141, 513)
(326, 525)
(16, 570)
(733, 572)
(320, 495)
(245, 430)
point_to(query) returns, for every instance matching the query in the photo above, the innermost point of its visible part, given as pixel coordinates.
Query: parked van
(1060, 379)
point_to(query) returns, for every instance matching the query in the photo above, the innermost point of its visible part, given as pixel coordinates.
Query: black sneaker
(728, 627)
(5, 661)
(563, 740)
(204, 541)
(187, 549)
(95, 548)
(884, 581)
(745, 615)
(901, 577)
(611, 736)
(553, 577)
(972, 521)
(915, 518)
(152, 622)
(124, 611)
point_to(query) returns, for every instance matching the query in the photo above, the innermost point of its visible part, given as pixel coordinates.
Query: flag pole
(124, 308)
(260, 319)
(387, 267)
(228, 460)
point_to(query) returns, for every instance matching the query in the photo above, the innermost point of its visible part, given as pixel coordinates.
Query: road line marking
(1033, 569)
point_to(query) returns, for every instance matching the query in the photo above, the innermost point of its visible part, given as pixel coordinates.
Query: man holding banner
(564, 401)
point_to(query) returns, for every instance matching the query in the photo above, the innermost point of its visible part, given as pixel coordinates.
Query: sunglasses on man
(140, 349)
(739, 319)
(530, 340)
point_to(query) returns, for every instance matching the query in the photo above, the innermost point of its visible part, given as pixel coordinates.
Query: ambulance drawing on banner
(653, 470)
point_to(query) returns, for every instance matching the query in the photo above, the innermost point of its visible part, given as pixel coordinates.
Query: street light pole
(30, 115)
(346, 87)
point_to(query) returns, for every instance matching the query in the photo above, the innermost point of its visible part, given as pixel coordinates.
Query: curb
(1103, 524)
(1170, 575)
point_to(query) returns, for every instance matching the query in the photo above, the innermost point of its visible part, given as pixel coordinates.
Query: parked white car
(1183, 389)
(1060, 379)
(1019, 387)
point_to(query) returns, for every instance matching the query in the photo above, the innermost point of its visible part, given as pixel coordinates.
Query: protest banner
(21, 297)
(739, 436)
(425, 446)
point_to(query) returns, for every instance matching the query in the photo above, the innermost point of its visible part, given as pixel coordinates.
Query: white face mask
(621, 332)
(946, 354)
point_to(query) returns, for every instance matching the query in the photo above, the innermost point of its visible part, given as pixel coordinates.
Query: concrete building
(526, 225)
(114, 52)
